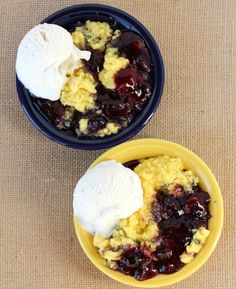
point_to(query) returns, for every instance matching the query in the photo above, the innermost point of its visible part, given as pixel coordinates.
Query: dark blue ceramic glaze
(68, 18)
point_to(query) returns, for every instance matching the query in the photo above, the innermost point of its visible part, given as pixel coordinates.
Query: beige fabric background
(38, 246)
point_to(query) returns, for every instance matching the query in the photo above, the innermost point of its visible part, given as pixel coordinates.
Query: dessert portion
(104, 195)
(167, 231)
(90, 83)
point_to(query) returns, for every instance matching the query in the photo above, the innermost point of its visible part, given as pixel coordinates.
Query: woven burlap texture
(38, 246)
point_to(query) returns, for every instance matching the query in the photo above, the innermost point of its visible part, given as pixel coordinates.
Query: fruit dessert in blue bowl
(89, 76)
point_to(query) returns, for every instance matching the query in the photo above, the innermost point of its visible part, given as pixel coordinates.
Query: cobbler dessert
(106, 91)
(168, 230)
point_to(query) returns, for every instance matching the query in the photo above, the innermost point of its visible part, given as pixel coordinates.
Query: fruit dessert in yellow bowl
(148, 213)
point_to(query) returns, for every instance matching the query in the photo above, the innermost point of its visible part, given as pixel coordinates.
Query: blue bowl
(68, 18)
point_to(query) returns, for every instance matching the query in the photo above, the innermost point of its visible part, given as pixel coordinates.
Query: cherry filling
(131, 46)
(132, 87)
(176, 213)
(95, 63)
(136, 263)
(121, 105)
(131, 164)
(96, 123)
(53, 110)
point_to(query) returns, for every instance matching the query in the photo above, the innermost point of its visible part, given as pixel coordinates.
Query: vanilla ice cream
(104, 195)
(45, 56)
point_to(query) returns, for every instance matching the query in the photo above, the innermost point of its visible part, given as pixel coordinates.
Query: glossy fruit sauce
(176, 213)
(121, 105)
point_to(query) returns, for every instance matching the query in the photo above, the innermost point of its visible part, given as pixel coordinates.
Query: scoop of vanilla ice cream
(45, 56)
(104, 195)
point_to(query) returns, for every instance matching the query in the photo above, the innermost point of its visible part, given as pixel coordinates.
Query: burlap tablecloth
(38, 246)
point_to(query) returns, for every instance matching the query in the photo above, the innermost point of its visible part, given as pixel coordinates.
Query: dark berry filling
(121, 105)
(176, 213)
(96, 123)
(136, 263)
(95, 63)
(131, 46)
(54, 112)
(131, 164)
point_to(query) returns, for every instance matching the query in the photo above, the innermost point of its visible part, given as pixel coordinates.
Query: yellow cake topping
(96, 33)
(112, 64)
(79, 91)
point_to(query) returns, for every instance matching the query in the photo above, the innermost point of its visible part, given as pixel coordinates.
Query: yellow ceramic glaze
(146, 148)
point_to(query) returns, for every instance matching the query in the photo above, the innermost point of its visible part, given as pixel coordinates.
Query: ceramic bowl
(68, 18)
(145, 148)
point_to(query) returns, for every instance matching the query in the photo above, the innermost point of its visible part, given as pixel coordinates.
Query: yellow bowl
(145, 148)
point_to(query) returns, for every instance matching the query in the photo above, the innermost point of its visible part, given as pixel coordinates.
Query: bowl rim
(143, 116)
(180, 275)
